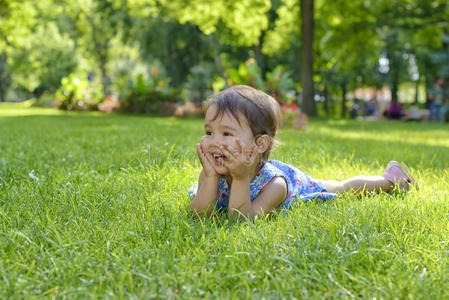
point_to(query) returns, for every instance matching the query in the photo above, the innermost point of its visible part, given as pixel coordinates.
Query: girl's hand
(241, 163)
(207, 161)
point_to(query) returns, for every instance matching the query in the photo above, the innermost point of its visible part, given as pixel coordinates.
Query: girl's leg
(395, 174)
(359, 185)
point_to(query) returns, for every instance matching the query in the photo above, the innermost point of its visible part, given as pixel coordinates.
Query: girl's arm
(242, 166)
(273, 194)
(206, 197)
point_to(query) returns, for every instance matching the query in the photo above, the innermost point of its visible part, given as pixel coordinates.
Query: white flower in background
(33, 176)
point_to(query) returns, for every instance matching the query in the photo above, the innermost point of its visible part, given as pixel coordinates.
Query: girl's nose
(217, 141)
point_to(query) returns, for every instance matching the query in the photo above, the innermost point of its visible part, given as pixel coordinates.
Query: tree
(179, 47)
(95, 25)
(348, 46)
(4, 77)
(41, 63)
(16, 22)
(34, 53)
(236, 25)
(307, 30)
(236, 22)
(411, 31)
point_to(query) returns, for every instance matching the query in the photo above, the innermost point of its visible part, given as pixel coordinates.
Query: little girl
(240, 126)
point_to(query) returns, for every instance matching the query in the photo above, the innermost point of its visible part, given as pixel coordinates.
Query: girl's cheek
(205, 139)
(234, 144)
(206, 142)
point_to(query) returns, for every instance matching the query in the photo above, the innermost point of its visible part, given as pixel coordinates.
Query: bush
(199, 83)
(293, 117)
(45, 100)
(280, 85)
(109, 105)
(189, 110)
(150, 96)
(77, 93)
(247, 73)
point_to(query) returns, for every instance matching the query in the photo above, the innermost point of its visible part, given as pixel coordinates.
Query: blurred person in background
(436, 96)
(394, 111)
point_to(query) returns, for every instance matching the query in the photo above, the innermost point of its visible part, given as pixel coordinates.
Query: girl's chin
(221, 170)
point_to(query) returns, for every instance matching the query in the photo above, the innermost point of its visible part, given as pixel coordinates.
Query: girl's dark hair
(260, 110)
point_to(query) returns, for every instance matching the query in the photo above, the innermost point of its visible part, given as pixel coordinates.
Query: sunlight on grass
(396, 135)
(25, 109)
(11, 109)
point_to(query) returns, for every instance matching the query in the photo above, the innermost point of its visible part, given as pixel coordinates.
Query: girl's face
(224, 130)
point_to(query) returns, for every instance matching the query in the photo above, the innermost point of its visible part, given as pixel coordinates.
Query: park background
(153, 56)
(95, 205)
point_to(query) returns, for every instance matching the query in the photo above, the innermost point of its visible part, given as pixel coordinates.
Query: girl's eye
(227, 134)
(208, 132)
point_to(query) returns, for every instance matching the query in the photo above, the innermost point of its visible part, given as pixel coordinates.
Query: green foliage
(280, 85)
(442, 59)
(179, 47)
(45, 100)
(5, 77)
(115, 223)
(151, 95)
(77, 93)
(247, 73)
(286, 28)
(96, 25)
(41, 64)
(17, 20)
(237, 22)
(126, 67)
(43, 41)
(199, 83)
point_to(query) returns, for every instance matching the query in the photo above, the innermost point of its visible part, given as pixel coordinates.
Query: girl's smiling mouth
(219, 159)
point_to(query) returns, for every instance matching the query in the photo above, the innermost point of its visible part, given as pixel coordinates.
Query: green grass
(96, 206)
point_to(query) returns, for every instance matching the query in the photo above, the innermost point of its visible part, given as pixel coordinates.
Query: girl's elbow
(236, 213)
(194, 208)
(198, 210)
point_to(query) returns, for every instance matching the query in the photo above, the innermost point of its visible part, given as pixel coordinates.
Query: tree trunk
(395, 65)
(101, 52)
(394, 87)
(416, 91)
(2, 93)
(260, 57)
(427, 86)
(326, 100)
(104, 76)
(307, 30)
(343, 100)
(4, 77)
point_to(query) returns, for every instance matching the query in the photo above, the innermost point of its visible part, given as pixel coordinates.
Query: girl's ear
(263, 142)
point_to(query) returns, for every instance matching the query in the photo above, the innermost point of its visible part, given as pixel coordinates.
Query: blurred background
(330, 58)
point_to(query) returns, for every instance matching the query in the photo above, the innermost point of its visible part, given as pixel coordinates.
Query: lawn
(96, 205)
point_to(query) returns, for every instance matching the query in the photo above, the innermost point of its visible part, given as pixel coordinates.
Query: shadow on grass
(425, 149)
(413, 154)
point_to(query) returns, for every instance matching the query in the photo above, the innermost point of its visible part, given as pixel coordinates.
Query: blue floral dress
(299, 186)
